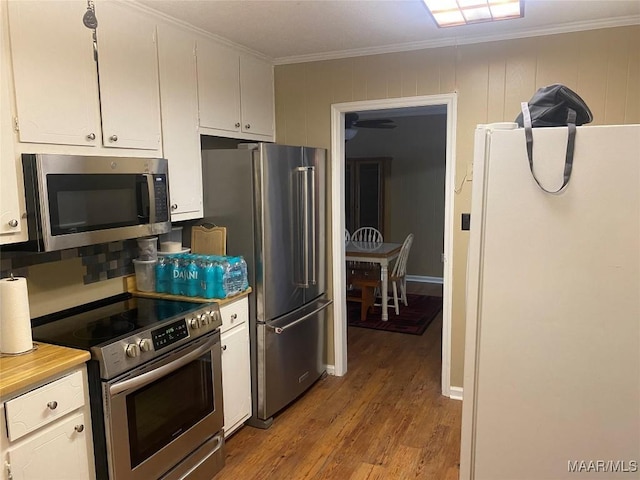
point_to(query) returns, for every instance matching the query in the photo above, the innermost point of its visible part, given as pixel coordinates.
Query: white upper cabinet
(218, 86)
(179, 106)
(235, 92)
(256, 87)
(56, 76)
(56, 80)
(12, 227)
(128, 70)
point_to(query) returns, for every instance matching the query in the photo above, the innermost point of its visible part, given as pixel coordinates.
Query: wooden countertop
(20, 371)
(130, 286)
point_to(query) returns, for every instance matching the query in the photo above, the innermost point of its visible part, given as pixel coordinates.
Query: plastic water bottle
(208, 278)
(192, 282)
(162, 275)
(174, 272)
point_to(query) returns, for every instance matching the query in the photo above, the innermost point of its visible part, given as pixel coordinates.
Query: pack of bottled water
(206, 276)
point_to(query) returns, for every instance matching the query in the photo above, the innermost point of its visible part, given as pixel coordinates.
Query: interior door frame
(338, 111)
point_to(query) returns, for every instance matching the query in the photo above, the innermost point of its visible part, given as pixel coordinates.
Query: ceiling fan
(352, 123)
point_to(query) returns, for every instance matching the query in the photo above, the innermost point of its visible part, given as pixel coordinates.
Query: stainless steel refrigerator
(552, 358)
(271, 199)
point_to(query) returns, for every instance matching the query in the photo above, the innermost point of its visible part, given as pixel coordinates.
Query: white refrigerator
(552, 354)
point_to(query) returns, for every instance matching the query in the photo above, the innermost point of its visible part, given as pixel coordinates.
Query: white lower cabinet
(57, 452)
(236, 367)
(47, 434)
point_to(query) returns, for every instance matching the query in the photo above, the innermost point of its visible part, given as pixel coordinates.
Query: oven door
(162, 413)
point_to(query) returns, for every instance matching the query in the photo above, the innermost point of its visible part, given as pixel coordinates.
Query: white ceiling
(288, 31)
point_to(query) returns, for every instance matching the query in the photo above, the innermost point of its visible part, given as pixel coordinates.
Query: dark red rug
(413, 319)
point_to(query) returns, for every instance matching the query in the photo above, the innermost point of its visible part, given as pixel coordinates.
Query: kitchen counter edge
(19, 372)
(130, 286)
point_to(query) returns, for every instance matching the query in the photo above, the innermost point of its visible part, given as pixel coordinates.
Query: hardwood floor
(385, 419)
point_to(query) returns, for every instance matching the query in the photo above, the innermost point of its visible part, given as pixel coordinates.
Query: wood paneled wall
(491, 79)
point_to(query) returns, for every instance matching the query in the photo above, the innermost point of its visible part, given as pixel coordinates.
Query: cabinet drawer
(234, 314)
(43, 405)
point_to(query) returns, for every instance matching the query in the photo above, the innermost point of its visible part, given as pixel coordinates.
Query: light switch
(466, 221)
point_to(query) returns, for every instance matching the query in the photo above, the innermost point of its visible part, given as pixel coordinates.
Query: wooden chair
(398, 274)
(347, 236)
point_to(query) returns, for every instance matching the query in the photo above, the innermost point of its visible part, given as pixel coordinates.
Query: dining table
(374, 252)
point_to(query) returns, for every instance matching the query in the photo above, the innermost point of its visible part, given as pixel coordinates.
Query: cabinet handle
(91, 136)
(79, 428)
(13, 223)
(234, 316)
(113, 138)
(247, 126)
(238, 125)
(174, 206)
(224, 347)
(52, 405)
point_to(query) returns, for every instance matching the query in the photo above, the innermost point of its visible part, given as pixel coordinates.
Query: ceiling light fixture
(449, 13)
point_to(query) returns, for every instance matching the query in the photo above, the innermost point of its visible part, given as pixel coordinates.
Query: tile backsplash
(100, 262)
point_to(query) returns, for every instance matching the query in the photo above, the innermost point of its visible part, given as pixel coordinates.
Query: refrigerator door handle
(303, 181)
(312, 226)
(280, 330)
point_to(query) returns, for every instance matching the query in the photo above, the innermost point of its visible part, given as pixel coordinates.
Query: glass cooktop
(111, 322)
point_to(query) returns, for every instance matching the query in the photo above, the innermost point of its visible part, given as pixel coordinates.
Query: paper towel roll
(15, 320)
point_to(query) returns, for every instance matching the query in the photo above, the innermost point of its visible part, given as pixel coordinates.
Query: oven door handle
(159, 372)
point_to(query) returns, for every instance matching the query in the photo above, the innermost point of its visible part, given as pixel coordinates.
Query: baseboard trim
(423, 279)
(455, 393)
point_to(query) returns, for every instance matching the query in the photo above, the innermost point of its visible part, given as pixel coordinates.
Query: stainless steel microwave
(73, 201)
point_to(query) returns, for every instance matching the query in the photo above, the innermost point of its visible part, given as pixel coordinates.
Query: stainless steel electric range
(155, 386)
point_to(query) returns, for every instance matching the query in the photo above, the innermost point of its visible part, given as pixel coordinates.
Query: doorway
(338, 111)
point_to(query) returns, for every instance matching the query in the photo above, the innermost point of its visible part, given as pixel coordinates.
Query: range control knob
(205, 319)
(145, 345)
(194, 323)
(132, 350)
(215, 316)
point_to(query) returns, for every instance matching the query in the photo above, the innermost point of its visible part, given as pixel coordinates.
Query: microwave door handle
(157, 373)
(151, 190)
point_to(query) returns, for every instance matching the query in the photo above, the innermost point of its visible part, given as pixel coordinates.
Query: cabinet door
(256, 88)
(236, 377)
(128, 69)
(59, 452)
(218, 86)
(55, 74)
(180, 137)
(11, 193)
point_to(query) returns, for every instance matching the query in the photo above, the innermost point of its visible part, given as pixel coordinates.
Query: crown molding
(454, 41)
(187, 26)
